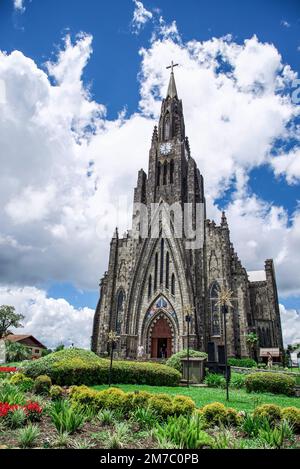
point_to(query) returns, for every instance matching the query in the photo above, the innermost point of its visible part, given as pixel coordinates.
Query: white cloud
(52, 321)
(285, 23)
(290, 321)
(19, 6)
(140, 16)
(288, 165)
(63, 162)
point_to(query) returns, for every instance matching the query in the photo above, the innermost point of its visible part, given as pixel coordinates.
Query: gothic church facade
(151, 280)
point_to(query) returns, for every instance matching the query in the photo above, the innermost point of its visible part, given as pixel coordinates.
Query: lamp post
(112, 340)
(224, 301)
(188, 309)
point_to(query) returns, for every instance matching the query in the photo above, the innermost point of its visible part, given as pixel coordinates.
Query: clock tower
(170, 162)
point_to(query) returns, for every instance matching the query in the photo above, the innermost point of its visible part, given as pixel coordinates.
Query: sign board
(264, 352)
(2, 351)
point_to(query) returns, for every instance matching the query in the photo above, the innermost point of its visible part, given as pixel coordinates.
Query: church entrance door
(161, 339)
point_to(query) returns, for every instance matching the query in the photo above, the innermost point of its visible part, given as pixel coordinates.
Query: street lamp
(112, 340)
(224, 301)
(188, 309)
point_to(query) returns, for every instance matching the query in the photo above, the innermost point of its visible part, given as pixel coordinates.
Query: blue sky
(112, 75)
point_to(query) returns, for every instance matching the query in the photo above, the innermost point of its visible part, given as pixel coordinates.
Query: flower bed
(32, 410)
(7, 369)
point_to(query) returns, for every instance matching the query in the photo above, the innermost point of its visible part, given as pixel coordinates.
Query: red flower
(5, 408)
(33, 410)
(7, 369)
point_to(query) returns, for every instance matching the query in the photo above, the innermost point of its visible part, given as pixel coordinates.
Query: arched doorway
(161, 338)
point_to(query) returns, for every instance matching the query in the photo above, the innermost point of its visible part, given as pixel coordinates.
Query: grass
(238, 398)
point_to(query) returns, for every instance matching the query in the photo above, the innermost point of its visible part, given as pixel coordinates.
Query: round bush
(175, 360)
(162, 405)
(74, 366)
(292, 415)
(56, 392)
(42, 384)
(271, 412)
(275, 383)
(22, 382)
(214, 414)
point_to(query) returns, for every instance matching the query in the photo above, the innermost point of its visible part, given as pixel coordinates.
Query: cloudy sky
(80, 91)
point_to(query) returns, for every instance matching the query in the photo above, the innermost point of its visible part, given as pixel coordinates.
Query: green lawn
(239, 399)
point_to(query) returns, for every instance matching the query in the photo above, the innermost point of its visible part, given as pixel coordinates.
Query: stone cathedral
(152, 279)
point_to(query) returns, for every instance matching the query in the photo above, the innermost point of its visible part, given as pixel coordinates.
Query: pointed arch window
(167, 127)
(149, 286)
(158, 175)
(165, 173)
(155, 271)
(171, 171)
(167, 269)
(120, 310)
(162, 246)
(173, 284)
(215, 309)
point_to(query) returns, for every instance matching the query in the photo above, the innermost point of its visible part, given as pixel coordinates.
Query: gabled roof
(23, 337)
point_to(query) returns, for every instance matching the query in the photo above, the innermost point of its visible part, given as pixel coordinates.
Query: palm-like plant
(252, 340)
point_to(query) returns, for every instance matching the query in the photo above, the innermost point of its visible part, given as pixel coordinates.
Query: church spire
(172, 91)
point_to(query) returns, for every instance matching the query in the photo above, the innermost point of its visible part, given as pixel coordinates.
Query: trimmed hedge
(163, 405)
(242, 362)
(76, 366)
(175, 360)
(275, 383)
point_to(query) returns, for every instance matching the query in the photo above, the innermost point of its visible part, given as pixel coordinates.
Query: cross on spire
(172, 66)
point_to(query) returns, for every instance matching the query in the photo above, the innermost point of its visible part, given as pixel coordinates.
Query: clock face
(165, 148)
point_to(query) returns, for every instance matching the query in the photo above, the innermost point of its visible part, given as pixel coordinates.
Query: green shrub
(16, 352)
(163, 405)
(175, 360)
(75, 366)
(183, 405)
(184, 432)
(216, 414)
(66, 418)
(252, 424)
(146, 418)
(56, 392)
(106, 417)
(21, 381)
(11, 394)
(271, 412)
(215, 380)
(28, 435)
(242, 362)
(275, 383)
(42, 385)
(237, 380)
(16, 418)
(233, 418)
(275, 437)
(292, 415)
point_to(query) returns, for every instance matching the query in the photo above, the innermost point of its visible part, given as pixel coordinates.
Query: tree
(9, 318)
(16, 352)
(252, 340)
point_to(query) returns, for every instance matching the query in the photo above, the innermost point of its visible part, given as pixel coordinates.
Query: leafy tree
(16, 352)
(9, 318)
(252, 340)
(59, 348)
